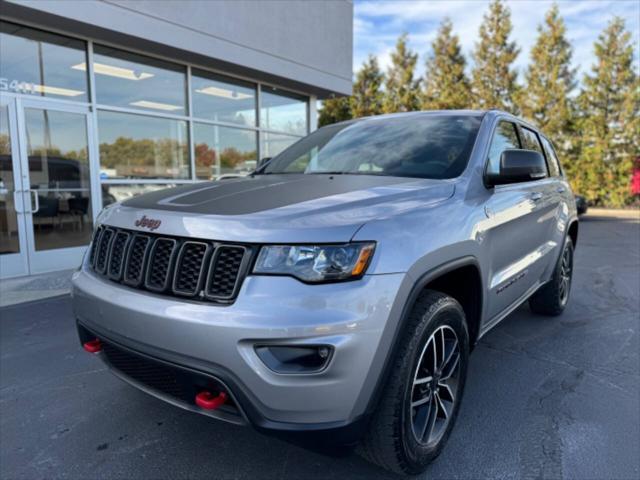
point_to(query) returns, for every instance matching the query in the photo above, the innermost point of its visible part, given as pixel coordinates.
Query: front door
(48, 213)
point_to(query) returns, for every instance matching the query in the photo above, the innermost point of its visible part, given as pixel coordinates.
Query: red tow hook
(207, 401)
(93, 346)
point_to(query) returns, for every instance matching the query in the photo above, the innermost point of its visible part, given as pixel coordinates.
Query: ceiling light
(223, 92)
(112, 71)
(46, 89)
(155, 105)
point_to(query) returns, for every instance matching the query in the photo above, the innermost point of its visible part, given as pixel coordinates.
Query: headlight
(315, 263)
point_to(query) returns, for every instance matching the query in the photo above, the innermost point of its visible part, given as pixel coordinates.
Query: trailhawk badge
(149, 223)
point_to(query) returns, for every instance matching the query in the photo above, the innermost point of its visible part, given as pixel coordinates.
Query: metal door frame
(59, 258)
(15, 264)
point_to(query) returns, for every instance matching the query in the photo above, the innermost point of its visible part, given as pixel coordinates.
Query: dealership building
(102, 100)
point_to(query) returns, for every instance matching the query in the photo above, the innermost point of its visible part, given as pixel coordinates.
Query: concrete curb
(614, 213)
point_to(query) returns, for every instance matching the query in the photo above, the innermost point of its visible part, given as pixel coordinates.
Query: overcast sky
(377, 25)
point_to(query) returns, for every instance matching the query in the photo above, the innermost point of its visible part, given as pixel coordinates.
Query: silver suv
(335, 293)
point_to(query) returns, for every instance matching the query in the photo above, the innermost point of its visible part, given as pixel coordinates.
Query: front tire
(422, 396)
(552, 298)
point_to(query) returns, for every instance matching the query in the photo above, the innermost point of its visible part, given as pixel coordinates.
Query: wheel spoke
(441, 406)
(452, 357)
(444, 386)
(419, 381)
(451, 365)
(442, 349)
(422, 401)
(431, 420)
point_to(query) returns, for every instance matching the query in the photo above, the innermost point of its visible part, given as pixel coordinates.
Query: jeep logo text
(149, 223)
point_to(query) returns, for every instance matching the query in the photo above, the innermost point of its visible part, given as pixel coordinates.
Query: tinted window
(423, 146)
(39, 63)
(505, 137)
(133, 81)
(552, 159)
(530, 140)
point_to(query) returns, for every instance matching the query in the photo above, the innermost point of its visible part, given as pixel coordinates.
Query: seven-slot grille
(175, 266)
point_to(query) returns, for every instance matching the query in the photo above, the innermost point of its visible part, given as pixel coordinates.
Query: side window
(552, 158)
(530, 140)
(504, 138)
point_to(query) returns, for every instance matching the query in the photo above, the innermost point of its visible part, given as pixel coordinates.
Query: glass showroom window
(223, 151)
(284, 112)
(128, 80)
(39, 63)
(142, 147)
(221, 99)
(274, 143)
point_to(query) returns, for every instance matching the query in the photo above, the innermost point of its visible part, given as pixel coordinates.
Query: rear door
(519, 216)
(561, 198)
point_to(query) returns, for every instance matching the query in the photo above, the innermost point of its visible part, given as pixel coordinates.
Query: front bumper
(219, 340)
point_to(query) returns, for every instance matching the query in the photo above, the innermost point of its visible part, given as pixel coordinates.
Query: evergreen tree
(493, 80)
(446, 84)
(401, 89)
(546, 101)
(609, 121)
(367, 94)
(334, 109)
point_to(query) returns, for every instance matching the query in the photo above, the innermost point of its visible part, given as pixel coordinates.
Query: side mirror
(262, 162)
(519, 166)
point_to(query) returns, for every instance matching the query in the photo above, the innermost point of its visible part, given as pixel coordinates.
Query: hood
(278, 208)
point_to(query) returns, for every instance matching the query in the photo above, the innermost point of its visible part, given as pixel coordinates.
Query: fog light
(295, 359)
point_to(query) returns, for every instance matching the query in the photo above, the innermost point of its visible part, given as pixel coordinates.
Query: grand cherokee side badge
(149, 223)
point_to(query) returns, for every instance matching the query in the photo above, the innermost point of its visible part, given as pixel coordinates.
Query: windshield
(423, 146)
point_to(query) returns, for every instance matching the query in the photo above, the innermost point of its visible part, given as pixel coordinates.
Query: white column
(313, 113)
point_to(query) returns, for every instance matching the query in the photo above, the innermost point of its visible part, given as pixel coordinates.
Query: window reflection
(9, 242)
(223, 151)
(33, 62)
(221, 99)
(274, 143)
(504, 138)
(283, 111)
(128, 80)
(59, 176)
(139, 146)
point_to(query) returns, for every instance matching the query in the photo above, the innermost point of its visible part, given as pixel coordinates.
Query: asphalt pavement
(546, 397)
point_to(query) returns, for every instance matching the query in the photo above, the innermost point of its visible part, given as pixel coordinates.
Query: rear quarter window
(552, 158)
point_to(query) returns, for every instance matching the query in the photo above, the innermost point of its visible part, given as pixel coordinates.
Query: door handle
(17, 195)
(37, 201)
(536, 196)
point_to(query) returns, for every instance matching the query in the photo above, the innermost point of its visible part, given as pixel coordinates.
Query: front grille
(191, 263)
(223, 274)
(160, 262)
(116, 257)
(103, 250)
(200, 269)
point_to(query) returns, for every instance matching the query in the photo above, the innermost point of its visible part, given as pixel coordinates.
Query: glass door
(55, 153)
(13, 245)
